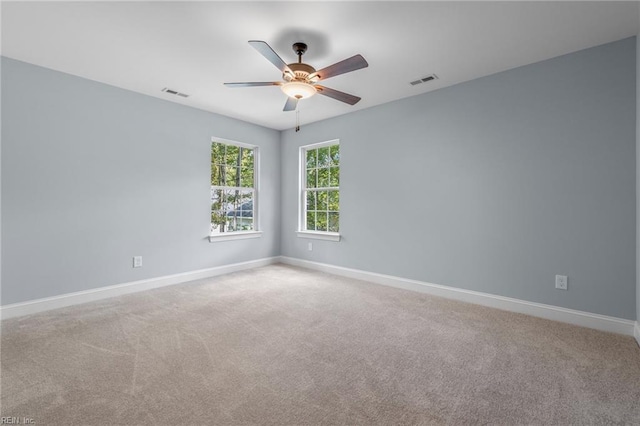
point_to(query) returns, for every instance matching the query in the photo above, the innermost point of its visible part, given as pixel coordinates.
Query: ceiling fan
(300, 79)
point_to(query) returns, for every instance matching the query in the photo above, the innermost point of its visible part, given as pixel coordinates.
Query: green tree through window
(321, 188)
(232, 188)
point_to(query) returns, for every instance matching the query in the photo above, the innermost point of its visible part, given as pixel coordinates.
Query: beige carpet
(285, 346)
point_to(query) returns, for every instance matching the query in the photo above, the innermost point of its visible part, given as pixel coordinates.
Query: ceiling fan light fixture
(300, 79)
(298, 89)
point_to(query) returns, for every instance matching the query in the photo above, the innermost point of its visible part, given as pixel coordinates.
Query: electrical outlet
(310, 246)
(561, 282)
(137, 261)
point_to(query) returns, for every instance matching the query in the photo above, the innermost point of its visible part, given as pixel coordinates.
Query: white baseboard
(581, 318)
(69, 299)
(636, 332)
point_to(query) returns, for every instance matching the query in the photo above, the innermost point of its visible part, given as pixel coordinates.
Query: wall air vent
(175, 92)
(424, 80)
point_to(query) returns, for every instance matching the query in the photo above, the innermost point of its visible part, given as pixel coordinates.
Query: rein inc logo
(17, 421)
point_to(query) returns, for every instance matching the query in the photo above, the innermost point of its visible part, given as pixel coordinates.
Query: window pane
(246, 177)
(231, 224)
(335, 154)
(217, 153)
(239, 210)
(334, 201)
(232, 156)
(322, 200)
(333, 222)
(230, 201)
(311, 178)
(247, 224)
(216, 199)
(231, 176)
(334, 179)
(245, 215)
(216, 175)
(311, 200)
(247, 158)
(218, 222)
(323, 177)
(321, 221)
(245, 199)
(311, 221)
(223, 173)
(230, 208)
(323, 157)
(217, 216)
(312, 154)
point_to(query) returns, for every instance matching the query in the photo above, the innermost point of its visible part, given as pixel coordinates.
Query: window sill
(240, 235)
(327, 236)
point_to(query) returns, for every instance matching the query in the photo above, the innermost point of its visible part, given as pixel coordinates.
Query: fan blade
(266, 83)
(336, 94)
(291, 104)
(351, 64)
(266, 51)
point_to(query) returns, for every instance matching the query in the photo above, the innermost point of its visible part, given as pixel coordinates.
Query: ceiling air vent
(175, 92)
(424, 79)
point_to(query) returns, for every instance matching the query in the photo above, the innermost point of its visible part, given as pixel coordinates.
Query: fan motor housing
(300, 70)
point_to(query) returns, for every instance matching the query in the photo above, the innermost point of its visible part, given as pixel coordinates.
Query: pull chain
(297, 118)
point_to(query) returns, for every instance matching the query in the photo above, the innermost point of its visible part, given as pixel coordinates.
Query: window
(233, 189)
(320, 191)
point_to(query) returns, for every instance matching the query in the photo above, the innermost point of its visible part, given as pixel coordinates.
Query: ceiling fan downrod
(300, 48)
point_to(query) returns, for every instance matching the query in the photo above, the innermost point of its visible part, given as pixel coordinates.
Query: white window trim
(236, 235)
(319, 235)
(302, 173)
(256, 232)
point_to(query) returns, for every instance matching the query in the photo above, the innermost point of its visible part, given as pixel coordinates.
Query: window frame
(255, 232)
(302, 200)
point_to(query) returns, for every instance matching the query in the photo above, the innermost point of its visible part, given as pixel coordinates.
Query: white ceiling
(194, 47)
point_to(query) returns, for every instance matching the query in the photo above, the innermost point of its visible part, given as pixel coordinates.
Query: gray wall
(93, 175)
(494, 185)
